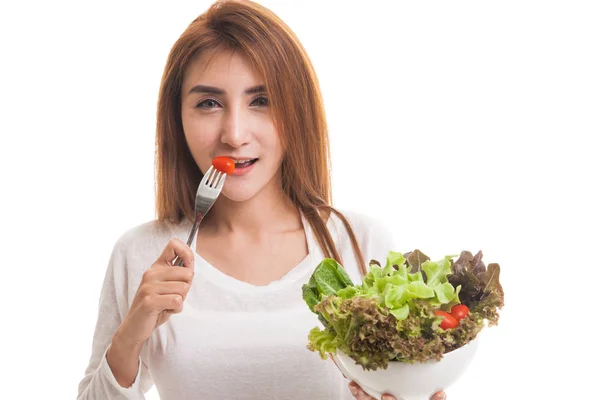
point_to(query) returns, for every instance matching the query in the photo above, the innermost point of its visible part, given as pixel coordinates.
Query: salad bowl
(405, 381)
(411, 327)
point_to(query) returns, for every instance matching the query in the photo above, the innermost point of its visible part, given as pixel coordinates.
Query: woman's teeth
(244, 163)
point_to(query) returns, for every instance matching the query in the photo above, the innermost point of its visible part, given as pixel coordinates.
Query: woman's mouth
(245, 163)
(244, 166)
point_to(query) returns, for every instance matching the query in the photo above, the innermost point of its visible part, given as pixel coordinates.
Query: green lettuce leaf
(323, 341)
(446, 293)
(390, 315)
(328, 278)
(437, 272)
(393, 261)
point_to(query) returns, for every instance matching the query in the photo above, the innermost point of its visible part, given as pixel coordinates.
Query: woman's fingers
(160, 273)
(176, 248)
(439, 396)
(173, 287)
(359, 394)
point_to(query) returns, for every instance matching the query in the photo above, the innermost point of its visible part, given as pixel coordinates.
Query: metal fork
(208, 190)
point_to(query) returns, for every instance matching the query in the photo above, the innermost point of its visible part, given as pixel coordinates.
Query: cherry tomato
(448, 321)
(459, 311)
(224, 164)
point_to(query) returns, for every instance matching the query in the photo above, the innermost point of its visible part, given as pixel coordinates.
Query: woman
(232, 322)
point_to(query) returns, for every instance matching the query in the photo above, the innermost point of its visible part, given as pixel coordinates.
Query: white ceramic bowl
(418, 381)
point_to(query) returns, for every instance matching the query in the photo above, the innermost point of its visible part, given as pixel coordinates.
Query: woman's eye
(208, 103)
(261, 101)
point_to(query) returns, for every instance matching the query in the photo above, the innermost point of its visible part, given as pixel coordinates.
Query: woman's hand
(360, 395)
(161, 293)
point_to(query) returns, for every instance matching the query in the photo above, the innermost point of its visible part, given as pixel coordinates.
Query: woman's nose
(235, 130)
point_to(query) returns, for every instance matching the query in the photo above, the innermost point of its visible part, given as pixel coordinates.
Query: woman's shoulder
(373, 237)
(145, 231)
(148, 238)
(365, 226)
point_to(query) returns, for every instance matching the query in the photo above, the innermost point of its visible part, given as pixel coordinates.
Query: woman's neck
(268, 211)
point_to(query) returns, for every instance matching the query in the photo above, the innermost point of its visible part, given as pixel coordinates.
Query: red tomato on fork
(448, 321)
(224, 164)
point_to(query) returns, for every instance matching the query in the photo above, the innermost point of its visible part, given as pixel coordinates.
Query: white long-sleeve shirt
(233, 340)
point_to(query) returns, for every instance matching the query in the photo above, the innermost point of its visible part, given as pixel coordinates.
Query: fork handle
(179, 261)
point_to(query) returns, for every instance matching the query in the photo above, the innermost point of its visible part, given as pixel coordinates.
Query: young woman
(231, 324)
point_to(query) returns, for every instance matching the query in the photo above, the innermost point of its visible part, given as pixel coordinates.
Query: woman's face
(225, 112)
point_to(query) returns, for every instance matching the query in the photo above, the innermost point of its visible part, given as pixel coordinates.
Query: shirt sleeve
(374, 237)
(377, 241)
(99, 381)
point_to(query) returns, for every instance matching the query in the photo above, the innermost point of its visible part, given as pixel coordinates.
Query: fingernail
(387, 397)
(353, 390)
(440, 396)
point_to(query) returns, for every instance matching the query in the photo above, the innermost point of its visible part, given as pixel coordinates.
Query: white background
(463, 125)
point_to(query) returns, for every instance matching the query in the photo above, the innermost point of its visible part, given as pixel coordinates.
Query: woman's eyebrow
(206, 89)
(256, 89)
(219, 91)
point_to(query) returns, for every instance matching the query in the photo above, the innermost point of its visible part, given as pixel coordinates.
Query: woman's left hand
(360, 395)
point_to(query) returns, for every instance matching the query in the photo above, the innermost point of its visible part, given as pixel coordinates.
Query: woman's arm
(123, 359)
(114, 370)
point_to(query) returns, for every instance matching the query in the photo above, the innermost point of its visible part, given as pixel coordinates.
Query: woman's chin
(241, 189)
(238, 194)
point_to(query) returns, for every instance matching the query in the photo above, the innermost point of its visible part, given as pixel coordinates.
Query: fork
(208, 190)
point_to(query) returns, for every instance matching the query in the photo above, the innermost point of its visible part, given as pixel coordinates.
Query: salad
(410, 310)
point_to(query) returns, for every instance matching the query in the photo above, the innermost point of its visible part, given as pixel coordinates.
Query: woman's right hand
(358, 393)
(161, 293)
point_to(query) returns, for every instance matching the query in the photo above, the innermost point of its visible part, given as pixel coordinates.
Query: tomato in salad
(459, 311)
(448, 321)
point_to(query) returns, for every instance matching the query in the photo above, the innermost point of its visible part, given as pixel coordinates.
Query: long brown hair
(296, 104)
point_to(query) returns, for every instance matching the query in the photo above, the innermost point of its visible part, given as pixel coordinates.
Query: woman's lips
(243, 170)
